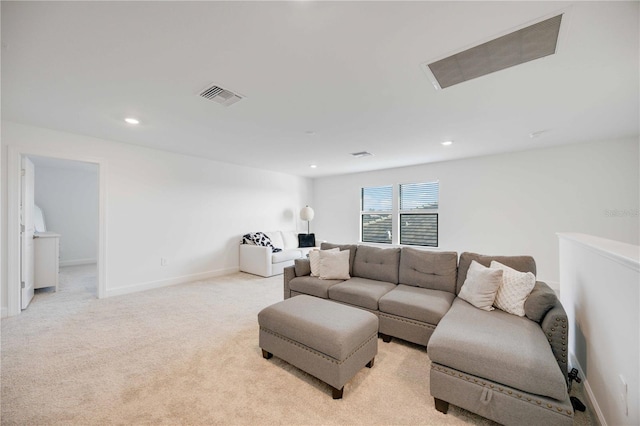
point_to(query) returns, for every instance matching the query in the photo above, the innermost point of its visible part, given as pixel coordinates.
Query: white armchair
(261, 261)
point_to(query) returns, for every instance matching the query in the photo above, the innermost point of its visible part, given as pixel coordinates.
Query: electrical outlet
(624, 394)
(163, 261)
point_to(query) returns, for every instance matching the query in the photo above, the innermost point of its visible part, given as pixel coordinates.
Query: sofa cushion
(516, 287)
(539, 302)
(314, 260)
(481, 286)
(376, 263)
(352, 252)
(313, 286)
(302, 267)
(360, 292)
(420, 304)
(276, 239)
(519, 263)
(498, 346)
(334, 265)
(290, 239)
(284, 255)
(429, 269)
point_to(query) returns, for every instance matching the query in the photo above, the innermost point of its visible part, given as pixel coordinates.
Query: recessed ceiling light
(132, 120)
(447, 143)
(313, 166)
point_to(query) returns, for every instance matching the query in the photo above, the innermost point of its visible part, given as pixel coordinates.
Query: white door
(26, 232)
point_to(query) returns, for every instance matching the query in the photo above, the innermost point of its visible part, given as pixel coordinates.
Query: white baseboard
(591, 398)
(76, 262)
(134, 288)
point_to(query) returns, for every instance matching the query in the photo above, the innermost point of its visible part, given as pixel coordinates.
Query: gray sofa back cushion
(519, 263)
(302, 267)
(429, 269)
(539, 302)
(377, 263)
(342, 247)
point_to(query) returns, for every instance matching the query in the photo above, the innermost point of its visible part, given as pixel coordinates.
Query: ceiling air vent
(361, 154)
(222, 96)
(524, 45)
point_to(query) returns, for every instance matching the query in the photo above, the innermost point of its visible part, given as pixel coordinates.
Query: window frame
(396, 214)
(430, 211)
(364, 212)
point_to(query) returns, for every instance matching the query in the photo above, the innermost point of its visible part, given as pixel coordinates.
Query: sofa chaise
(507, 368)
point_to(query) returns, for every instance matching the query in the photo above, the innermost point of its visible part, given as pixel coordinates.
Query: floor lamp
(308, 240)
(307, 214)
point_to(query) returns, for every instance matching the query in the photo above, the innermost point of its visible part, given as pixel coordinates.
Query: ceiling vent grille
(222, 96)
(529, 43)
(361, 154)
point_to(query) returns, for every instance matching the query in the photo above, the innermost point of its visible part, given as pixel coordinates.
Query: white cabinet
(46, 259)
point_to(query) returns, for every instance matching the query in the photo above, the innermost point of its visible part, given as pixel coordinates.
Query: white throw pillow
(334, 265)
(516, 287)
(481, 285)
(314, 261)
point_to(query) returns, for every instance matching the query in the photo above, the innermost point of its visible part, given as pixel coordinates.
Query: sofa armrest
(555, 325)
(289, 274)
(255, 259)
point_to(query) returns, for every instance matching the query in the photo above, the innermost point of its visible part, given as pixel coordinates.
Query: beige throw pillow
(514, 290)
(314, 261)
(481, 285)
(334, 265)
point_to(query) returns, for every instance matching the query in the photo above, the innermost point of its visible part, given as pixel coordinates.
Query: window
(376, 214)
(418, 214)
(413, 220)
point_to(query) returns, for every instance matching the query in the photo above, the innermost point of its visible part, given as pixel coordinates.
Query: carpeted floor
(188, 354)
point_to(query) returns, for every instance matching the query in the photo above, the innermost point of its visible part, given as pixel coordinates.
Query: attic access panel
(524, 45)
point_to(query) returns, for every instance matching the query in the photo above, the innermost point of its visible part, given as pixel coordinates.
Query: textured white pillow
(516, 287)
(314, 261)
(481, 285)
(334, 265)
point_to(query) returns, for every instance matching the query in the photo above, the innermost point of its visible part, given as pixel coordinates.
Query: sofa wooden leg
(370, 363)
(442, 406)
(385, 338)
(337, 393)
(266, 355)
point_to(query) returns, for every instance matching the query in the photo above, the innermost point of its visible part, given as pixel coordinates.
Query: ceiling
(321, 80)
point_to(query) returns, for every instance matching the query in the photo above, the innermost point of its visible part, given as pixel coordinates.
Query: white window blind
(418, 213)
(377, 214)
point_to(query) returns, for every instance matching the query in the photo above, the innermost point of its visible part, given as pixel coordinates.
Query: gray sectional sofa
(504, 367)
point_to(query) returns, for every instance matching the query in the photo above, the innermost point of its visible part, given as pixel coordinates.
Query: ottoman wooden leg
(370, 363)
(337, 393)
(442, 406)
(266, 355)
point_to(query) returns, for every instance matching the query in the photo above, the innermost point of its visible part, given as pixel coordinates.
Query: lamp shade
(306, 213)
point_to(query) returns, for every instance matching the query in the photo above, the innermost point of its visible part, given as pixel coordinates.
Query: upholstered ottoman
(325, 339)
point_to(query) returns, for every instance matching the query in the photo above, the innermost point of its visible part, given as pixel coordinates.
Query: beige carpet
(188, 354)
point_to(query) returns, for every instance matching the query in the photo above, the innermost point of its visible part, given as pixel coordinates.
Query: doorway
(65, 202)
(14, 254)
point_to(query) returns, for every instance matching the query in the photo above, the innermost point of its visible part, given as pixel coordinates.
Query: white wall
(69, 201)
(191, 211)
(510, 203)
(599, 289)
